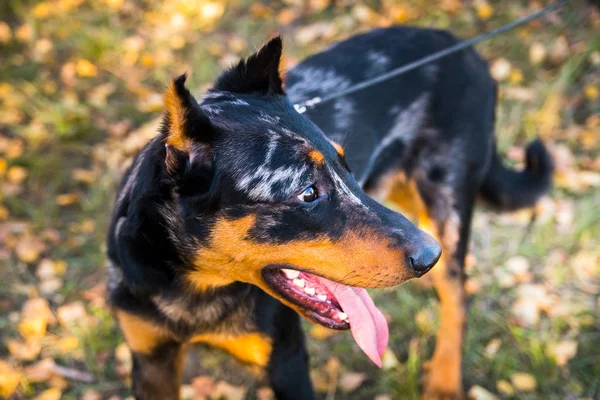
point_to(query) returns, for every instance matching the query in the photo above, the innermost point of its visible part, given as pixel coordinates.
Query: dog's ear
(259, 73)
(186, 127)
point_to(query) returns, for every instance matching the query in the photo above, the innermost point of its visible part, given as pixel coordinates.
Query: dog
(242, 213)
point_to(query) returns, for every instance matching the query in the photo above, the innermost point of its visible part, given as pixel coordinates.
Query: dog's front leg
(288, 370)
(157, 359)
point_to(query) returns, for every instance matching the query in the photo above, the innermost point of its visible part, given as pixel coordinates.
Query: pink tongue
(368, 325)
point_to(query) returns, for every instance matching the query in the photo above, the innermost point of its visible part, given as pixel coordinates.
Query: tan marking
(251, 348)
(176, 116)
(444, 369)
(141, 335)
(363, 259)
(316, 157)
(400, 194)
(281, 69)
(337, 147)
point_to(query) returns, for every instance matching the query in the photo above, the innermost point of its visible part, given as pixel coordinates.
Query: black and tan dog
(242, 212)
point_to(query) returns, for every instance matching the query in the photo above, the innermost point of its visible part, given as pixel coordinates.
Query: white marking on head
(343, 189)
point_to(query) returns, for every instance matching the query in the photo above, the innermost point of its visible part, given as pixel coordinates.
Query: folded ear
(185, 123)
(259, 73)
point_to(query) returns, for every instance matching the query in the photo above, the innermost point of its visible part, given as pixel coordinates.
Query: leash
(311, 103)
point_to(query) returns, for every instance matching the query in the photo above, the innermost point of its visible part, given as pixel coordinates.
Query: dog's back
(439, 117)
(423, 141)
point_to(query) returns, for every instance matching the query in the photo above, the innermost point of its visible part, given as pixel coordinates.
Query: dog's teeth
(299, 282)
(290, 273)
(309, 290)
(322, 297)
(343, 316)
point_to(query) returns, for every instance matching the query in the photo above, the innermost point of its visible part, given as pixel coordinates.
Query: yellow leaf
(29, 248)
(25, 351)
(564, 351)
(523, 382)
(16, 174)
(211, 11)
(49, 394)
(24, 33)
(537, 53)
(67, 199)
(3, 166)
(485, 10)
(5, 32)
(320, 332)
(116, 4)
(516, 76)
(43, 10)
(9, 379)
(505, 388)
(67, 344)
(88, 226)
(85, 68)
(591, 92)
(3, 213)
(33, 329)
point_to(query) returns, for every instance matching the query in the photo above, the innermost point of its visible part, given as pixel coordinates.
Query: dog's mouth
(333, 305)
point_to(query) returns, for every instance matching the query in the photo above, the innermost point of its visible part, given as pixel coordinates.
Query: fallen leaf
(29, 248)
(9, 379)
(16, 174)
(492, 348)
(265, 393)
(389, 360)
(351, 381)
(484, 10)
(85, 68)
(505, 388)
(537, 53)
(40, 372)
(49, 394)
(25, 351)
(73, 314)
(33, 328)
(320, 332)
(500, 69)
(203, 386)
(37, 308)
(228, 391)
(479, 393)
(523, 382)
(90, 394)
(563, 351)
(187, 392)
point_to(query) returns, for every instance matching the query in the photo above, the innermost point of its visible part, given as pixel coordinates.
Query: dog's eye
(309, 195)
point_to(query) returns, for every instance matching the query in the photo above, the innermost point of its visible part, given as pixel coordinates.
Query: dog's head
(260, 195)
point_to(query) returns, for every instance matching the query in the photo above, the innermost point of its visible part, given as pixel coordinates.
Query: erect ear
(259, 73)
(185, 124)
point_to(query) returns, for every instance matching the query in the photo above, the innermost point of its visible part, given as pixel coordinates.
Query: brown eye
(309, 195)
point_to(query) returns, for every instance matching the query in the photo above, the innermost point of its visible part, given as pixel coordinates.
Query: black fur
(172, 199)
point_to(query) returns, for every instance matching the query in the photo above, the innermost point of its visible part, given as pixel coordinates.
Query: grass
(77, 128)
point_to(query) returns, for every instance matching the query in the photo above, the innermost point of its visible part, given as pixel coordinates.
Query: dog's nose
(425, 257)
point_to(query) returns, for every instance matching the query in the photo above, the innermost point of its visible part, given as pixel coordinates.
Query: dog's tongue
(368, 325)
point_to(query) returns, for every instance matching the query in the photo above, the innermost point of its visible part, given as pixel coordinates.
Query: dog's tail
(508, 190)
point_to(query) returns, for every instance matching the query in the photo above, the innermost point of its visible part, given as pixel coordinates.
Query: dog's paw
(442, 380)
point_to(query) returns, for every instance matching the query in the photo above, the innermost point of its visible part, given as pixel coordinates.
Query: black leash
(303, 106)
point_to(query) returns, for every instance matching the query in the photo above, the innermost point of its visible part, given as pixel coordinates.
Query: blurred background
(81, 86)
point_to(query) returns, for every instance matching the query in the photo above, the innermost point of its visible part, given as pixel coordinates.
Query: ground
(80, 84)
